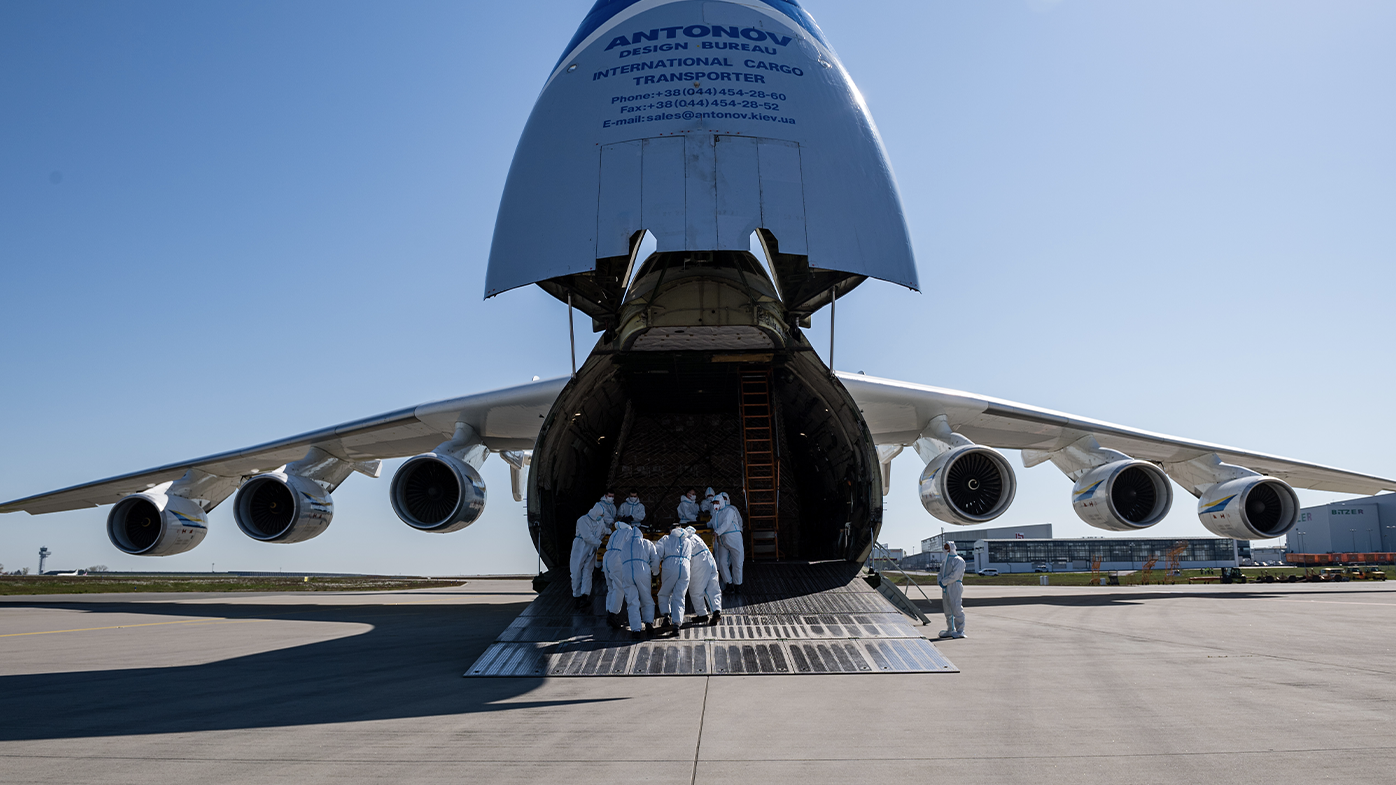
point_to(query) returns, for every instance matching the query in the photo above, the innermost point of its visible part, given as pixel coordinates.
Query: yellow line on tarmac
(124, 626)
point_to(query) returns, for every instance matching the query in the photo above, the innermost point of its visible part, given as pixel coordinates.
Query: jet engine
(282, 508)
(1249, 508)
(154, 524)
(967, 485)
(1123, 496)
(435, 492)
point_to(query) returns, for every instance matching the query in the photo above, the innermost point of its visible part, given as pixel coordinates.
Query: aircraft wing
(898, 412)
(507, 419)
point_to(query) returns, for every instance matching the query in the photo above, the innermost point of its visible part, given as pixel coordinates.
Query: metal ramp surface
(790, 619)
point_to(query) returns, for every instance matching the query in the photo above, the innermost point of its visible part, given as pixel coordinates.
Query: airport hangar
(1023, 548)
(1359, 526)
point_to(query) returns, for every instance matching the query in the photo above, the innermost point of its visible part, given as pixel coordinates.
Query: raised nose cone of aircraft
(700, 122)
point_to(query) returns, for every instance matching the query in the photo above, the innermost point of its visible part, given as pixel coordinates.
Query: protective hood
(597, 512)
(710, 493)
(953, 551)
(701, 122)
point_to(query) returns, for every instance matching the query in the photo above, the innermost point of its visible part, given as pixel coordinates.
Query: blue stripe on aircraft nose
(604, 10)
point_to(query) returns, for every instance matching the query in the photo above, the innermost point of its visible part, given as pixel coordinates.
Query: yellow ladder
(762, 470)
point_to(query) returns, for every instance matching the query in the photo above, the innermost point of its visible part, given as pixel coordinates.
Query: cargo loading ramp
(792, 618)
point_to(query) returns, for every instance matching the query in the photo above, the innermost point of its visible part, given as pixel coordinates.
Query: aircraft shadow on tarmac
(409, 664)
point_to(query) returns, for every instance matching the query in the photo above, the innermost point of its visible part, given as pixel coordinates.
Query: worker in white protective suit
(590, 529)
(611, 563)
(705, 507)
(731, 551)
(675, 551)
(608, 503)
(639, 563)
(952, 592)
(631, 510)
(688, 508)
(702, 581)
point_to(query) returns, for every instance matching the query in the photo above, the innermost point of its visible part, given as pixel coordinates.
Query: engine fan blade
(974, 484)
(1133, 494)
(1263, 507)
(271, 508)
(431, 492)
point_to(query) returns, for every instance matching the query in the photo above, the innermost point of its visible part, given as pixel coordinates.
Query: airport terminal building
(1029, 548)
(1078, 555)
(964, 539)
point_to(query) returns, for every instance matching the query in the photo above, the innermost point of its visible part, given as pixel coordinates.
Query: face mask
(633, 499)
(611, 499)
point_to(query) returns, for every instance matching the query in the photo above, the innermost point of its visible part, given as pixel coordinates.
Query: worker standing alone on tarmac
(590, 529)
(675, 550)
(702, 580)
(731, 552)
(952, 591)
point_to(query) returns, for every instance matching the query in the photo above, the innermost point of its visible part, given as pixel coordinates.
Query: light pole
(1352, 534)
(1301, 541)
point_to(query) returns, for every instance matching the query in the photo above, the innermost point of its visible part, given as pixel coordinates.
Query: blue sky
(225, 223)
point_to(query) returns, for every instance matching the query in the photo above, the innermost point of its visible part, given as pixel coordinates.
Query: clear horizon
(222, 224)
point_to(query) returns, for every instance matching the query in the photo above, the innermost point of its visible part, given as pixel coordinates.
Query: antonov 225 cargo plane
(701, 123)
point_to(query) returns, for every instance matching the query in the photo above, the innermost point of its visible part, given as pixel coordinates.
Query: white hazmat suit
(706, 506)
(639, 562)
(608, 503)
(731, 552)
(688, 510)
(952, 592)
(590, 528)
(633, 508)
(675, 551)
(702, 578)
(611, 563)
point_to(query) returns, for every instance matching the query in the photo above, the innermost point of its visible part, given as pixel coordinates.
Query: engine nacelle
(153, 524)
(967, 485)
(437, 493)
(1249, 508)
(282, 508)
(1123, 496)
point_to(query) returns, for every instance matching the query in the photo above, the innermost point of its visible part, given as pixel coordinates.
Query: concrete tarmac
(1215, 684)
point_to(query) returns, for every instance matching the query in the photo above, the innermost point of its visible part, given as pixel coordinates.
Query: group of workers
(687, 567)
(681, 558)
